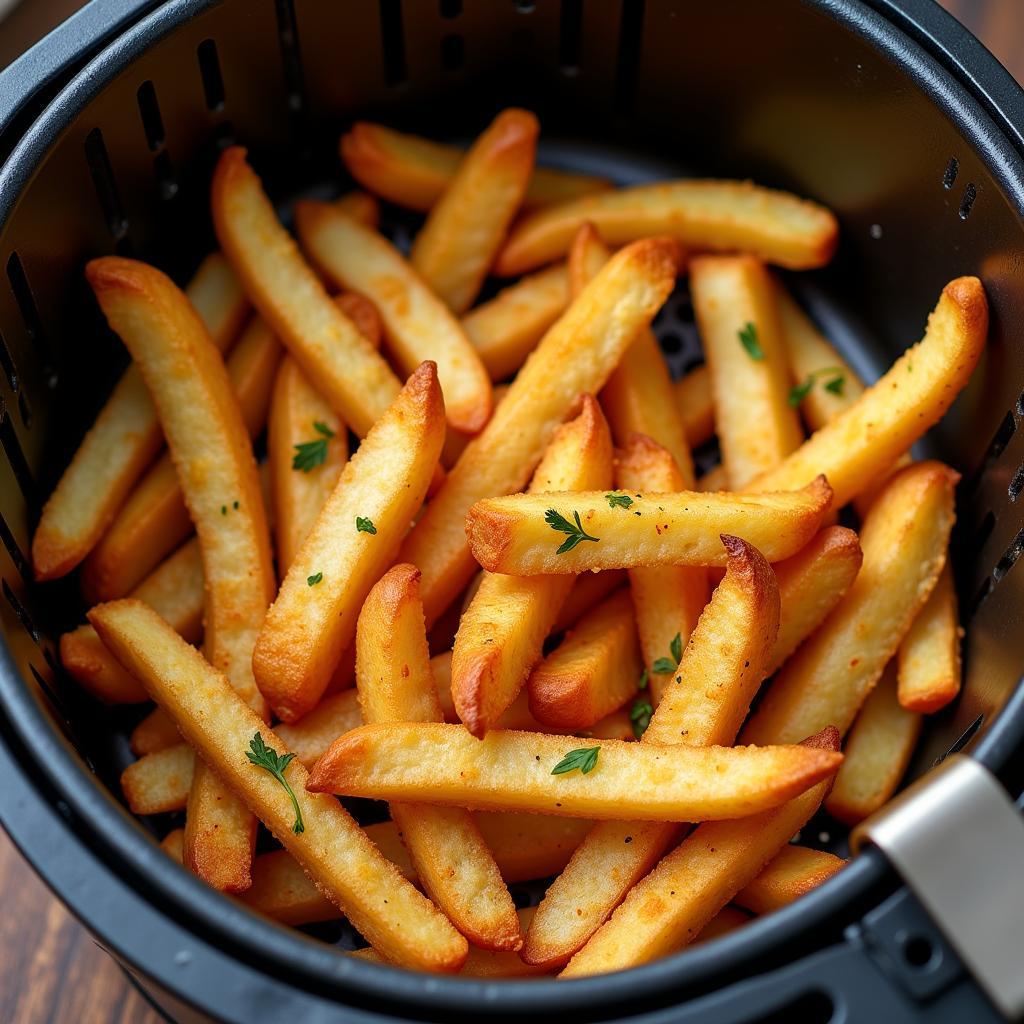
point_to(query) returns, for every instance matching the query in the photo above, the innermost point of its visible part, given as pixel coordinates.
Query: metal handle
(958, 841)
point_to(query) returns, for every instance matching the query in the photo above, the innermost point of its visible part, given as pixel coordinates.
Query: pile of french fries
(508, 607)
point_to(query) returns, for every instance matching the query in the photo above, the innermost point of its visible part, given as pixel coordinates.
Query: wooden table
(50, 969)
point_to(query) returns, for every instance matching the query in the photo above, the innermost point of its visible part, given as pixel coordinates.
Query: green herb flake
(364, 525)
(619, 500)
(312, 581)
(748, 339)
(309, 455)
(576, 533)
(223, 510)
(642, 685)
(676, 647)
(835, 384)
(234, 505)
(269, 760)
(585, 758)
(640, 716)
(666, 666)
(322, 428)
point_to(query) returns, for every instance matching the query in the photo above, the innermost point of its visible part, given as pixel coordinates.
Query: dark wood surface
(50, 969)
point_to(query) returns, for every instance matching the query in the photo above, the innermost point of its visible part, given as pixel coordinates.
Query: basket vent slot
(967, 203)
(7, 365)
(21, 612)
(26, 300)
(453, 52)
(1020, 404)
(209, 71)
(1010, 556)
(14, 550)
(24, 409)
(1016, 484)
(149, 111)
(631, 34)
(106, 187)
(952, 170)
(569, 35)
(1007, 428)
(450, 9)
(288, 33)
(979, 598)
(393, 41)
(16, 457)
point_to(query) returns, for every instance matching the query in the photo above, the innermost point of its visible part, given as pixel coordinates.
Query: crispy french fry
(175, 591)
(444, 764)
(715, 479)
(790, 874)
(670, 907)
(455, 442)
(314, 733)
(728, 919)
(417, 324)
(904, 542)
(307, 447)
(467, 225)
(395, 685)
(720, 215)
(173, 844)
(575, 357)
(123, 440)
(154, 733)
(331, 849)
(734, 300)
(361, 206)
(348, 371)
(159, 782)
(506, 329)
(696, 406)
(593, 672)
(502, 632)
(212, 453)
(589, 590)
(878, 751)
(720, 670)
(154, 521)
(414, 172)
(862, 442)
(929, 657)
(313, 619)
(364, 314)
(668, 598)
(281, 890)
(512, 534)
(638, 398)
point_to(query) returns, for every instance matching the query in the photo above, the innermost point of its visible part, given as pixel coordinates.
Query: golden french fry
(526, 534)
(212, 453)
(175, 591)
(467, 225)
(728, 919)
(315, 732)
(506, 329)
(734, 301)
(281, 890)
(414, 172)
(638, 398)
(159, 782)
(154, 733)
(417, 324)
(123, 440)
(720, 215)
(395, 685)
(718, 674)
(575, 357)
(455, 442)
(696, 407)
(929, 657)
(444, 764)
(361, 206)
(588, 590)
(593, 672)
(348, 371)
(862, 442)
(878, 750)
(790, 874)
(173, 844)
(331, 849)
(154, 521)
(364, 314)
(904, 542)
(355, 536)
(307, 448)
(669, 907)
(668, 598)
(715, 479)
(502, 632)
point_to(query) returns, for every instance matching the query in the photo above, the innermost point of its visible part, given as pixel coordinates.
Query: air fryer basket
(885, 110)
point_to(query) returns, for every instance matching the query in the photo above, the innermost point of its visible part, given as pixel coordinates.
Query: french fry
(444, 764)
(395, 685)
(175, 591)
(331, 849)
(512, 534)
(734, 300)
(904, 542)
(307, 448)
(361, 206)
(638, 398)
(929, 657)
(281, 890)
(721, 667)
(213, 456)
(589, 590)
(313, 619)
(414, 172)
(728, 919)
(575, 357)
(348, 371)
(506, 329)
(455, 442)
(173, 844)
(467, 225)
(154, 521)
(594, 670)
(417, 324)
(668, 598)
(790, 874)
(314, 733)
(502, 632)
(878, 751)
(696, 406)
(615, 726)
(159, 782)
(364, 314)
(715, 479)
(670, 907)
(154, 733)
(859, 445)
(123, 440)
(720, 215)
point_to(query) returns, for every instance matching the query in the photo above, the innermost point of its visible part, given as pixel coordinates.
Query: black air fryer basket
(887, 111)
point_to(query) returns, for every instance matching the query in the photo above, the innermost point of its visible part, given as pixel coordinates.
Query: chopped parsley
(585, 758)
(748, 339)
(364, 525)
(575, 533)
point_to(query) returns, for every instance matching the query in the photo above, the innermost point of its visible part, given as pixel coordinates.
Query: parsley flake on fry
(364, 525)
(640, 716)
(835, 384)
(619, 500)
(584, 758)
(665, 666)
(313, 580)
(269, 760)
(575, 533)
(748, 338)
(310, 454)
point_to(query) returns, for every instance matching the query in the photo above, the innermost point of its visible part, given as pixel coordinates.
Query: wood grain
(50, 969)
